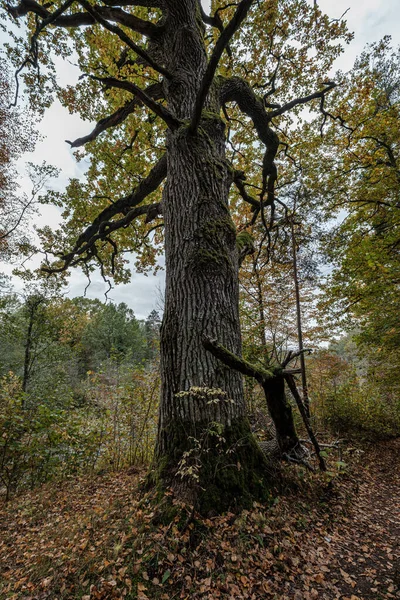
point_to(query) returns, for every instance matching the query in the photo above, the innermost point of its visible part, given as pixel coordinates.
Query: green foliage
(116, 427)
(39, 442)
(347, 398)
(114, 332)
(278, 40)
(123, 406)
(289, 47)
(354, 171)
(85, 395)
(17, 137)
(351, 176)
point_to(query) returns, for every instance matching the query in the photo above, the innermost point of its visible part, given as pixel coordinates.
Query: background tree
(174, 86)
(351, 174)
(114, 332)
(269, 303)
(17, 136)
(357, 175)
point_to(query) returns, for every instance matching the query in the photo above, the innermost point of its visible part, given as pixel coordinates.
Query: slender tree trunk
(306, 400)
(278, 405)
(28, 347)
(202, 410)
(261, 313)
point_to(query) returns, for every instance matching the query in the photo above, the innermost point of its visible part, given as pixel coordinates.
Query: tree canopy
(115, 46)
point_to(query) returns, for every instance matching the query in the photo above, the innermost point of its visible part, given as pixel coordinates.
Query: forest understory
(326, 537)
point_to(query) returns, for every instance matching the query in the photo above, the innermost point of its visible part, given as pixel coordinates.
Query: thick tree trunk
(202, 410)
(202, 272)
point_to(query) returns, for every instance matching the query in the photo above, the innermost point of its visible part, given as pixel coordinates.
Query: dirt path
(364, 549)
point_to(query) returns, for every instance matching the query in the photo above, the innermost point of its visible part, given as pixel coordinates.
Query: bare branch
(144, 189)
(214, 21)
(293, 355)
(17, 223)
(223, 41)
(299, 101)
(158, 109)
(89, 249)
(239, 179)
(238, 90)
(154, 91)
(293, 388)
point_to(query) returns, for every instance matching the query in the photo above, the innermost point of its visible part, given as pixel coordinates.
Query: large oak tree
(197, 99)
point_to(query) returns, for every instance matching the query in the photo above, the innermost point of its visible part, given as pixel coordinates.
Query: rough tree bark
(202, 295)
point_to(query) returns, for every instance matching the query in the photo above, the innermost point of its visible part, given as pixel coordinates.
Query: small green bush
(38, 442)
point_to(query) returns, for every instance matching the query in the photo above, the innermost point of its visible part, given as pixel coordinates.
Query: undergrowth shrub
(113, 425)
(124, 403)
(350, 402)
(37, 441)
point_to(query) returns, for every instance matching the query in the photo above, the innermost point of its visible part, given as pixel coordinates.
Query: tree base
(214, 468)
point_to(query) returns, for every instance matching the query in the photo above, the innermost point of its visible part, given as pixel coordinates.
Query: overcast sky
(369, 19)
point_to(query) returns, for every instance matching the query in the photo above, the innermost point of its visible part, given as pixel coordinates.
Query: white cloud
(142, 294)
(370, 20)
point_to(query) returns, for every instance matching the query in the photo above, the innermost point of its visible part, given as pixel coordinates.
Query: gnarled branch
(236, 362)
(303, 100)
(144, 189)
(293, 355)
(83, 19)
(238, 90)
(239, 178)
(97, 15)
(89, 248)
(102, 225)
(263, 376)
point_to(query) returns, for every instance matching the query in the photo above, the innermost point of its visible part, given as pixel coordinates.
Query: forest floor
(334, 537)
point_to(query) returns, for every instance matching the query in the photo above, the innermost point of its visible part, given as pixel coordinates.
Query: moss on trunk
(213, 466)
